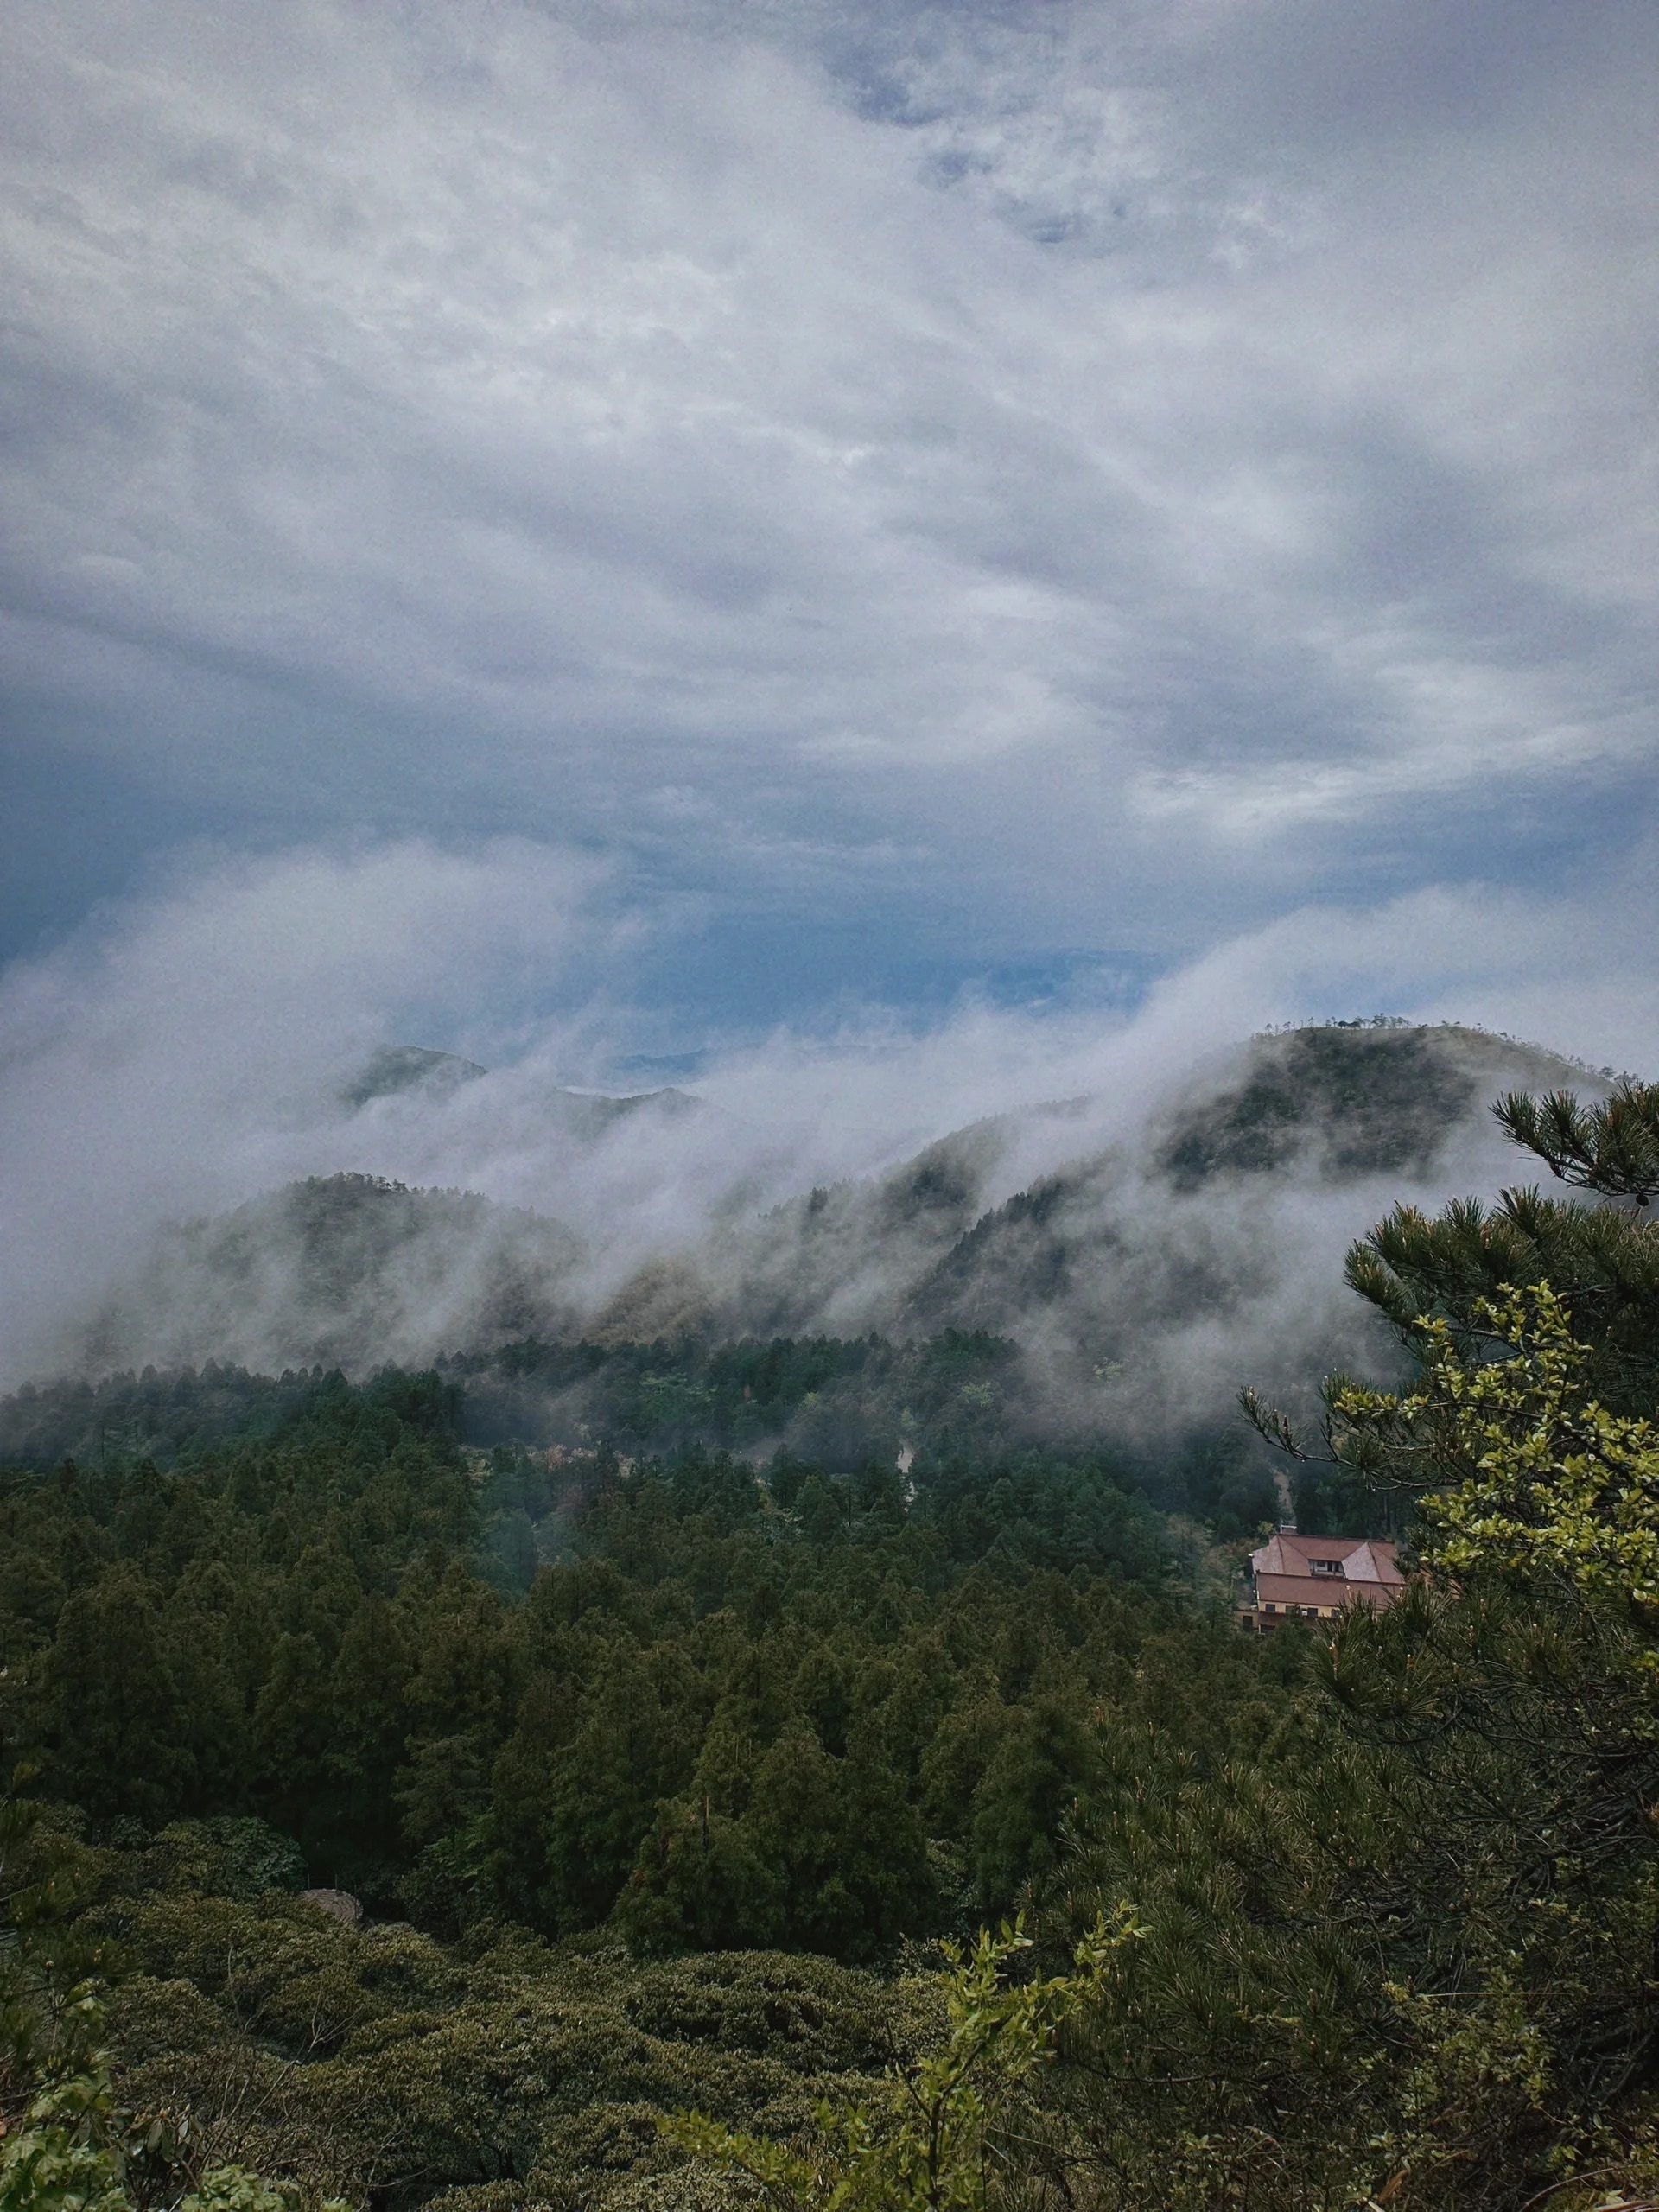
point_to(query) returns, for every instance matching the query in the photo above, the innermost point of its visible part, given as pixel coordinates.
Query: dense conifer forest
(669, 1781)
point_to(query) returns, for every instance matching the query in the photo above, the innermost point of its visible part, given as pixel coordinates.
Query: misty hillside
(1161, 1274)
(412, 1071)
(1142, 1277)
(347, 1271)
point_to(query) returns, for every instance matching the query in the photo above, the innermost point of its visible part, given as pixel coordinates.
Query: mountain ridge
(1142, 1270)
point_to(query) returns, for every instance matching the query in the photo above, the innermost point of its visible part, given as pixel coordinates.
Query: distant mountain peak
(392, 1068)
(392, 1071)
(1378, 1096)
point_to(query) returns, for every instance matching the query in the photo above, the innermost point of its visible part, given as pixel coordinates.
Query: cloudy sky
(804, 507)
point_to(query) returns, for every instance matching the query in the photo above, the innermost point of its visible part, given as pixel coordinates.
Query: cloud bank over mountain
(244, 1029)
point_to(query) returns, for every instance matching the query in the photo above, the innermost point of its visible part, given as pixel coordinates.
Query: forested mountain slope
(307, 1618)
(662, 1772)
(1139, 1276)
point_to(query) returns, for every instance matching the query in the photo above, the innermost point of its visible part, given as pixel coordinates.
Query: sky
(610, 533)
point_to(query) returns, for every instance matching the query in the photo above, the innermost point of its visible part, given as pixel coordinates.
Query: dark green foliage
(46, 1879)
(1220, 1476)
(837, 1400)
(383, 2066)
(1602, 1261)
(1611, 1147)
(1408, 1940)
(1401, 1951)
(675, 1749)
(114, 1709)
(224, 1639)
(129, 1417)
(732, 1693)
(787, 1706)
(1377, 1100)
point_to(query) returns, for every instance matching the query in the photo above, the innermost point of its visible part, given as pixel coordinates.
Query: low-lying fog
(1111, 1192)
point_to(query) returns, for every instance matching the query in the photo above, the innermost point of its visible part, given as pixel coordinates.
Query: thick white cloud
(188, 1050)
(1095, 477)
(177, 1055)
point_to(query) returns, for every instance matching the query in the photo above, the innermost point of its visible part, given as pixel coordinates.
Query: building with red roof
(1294, 1577)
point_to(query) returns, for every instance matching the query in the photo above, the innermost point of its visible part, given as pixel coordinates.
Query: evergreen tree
(1603, 1259)
(110, 1703)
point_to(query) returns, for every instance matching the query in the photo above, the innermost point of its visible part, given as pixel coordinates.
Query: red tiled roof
(1362, 1559)
(1357, 1570)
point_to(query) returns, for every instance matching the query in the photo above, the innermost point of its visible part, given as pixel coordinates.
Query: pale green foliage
(68, 2158)
(233, 2189)
(63, 2158)
(377, 2064)
(69, 2155)
(927, 2141)
(1469, 2057)
(1540, 1477)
